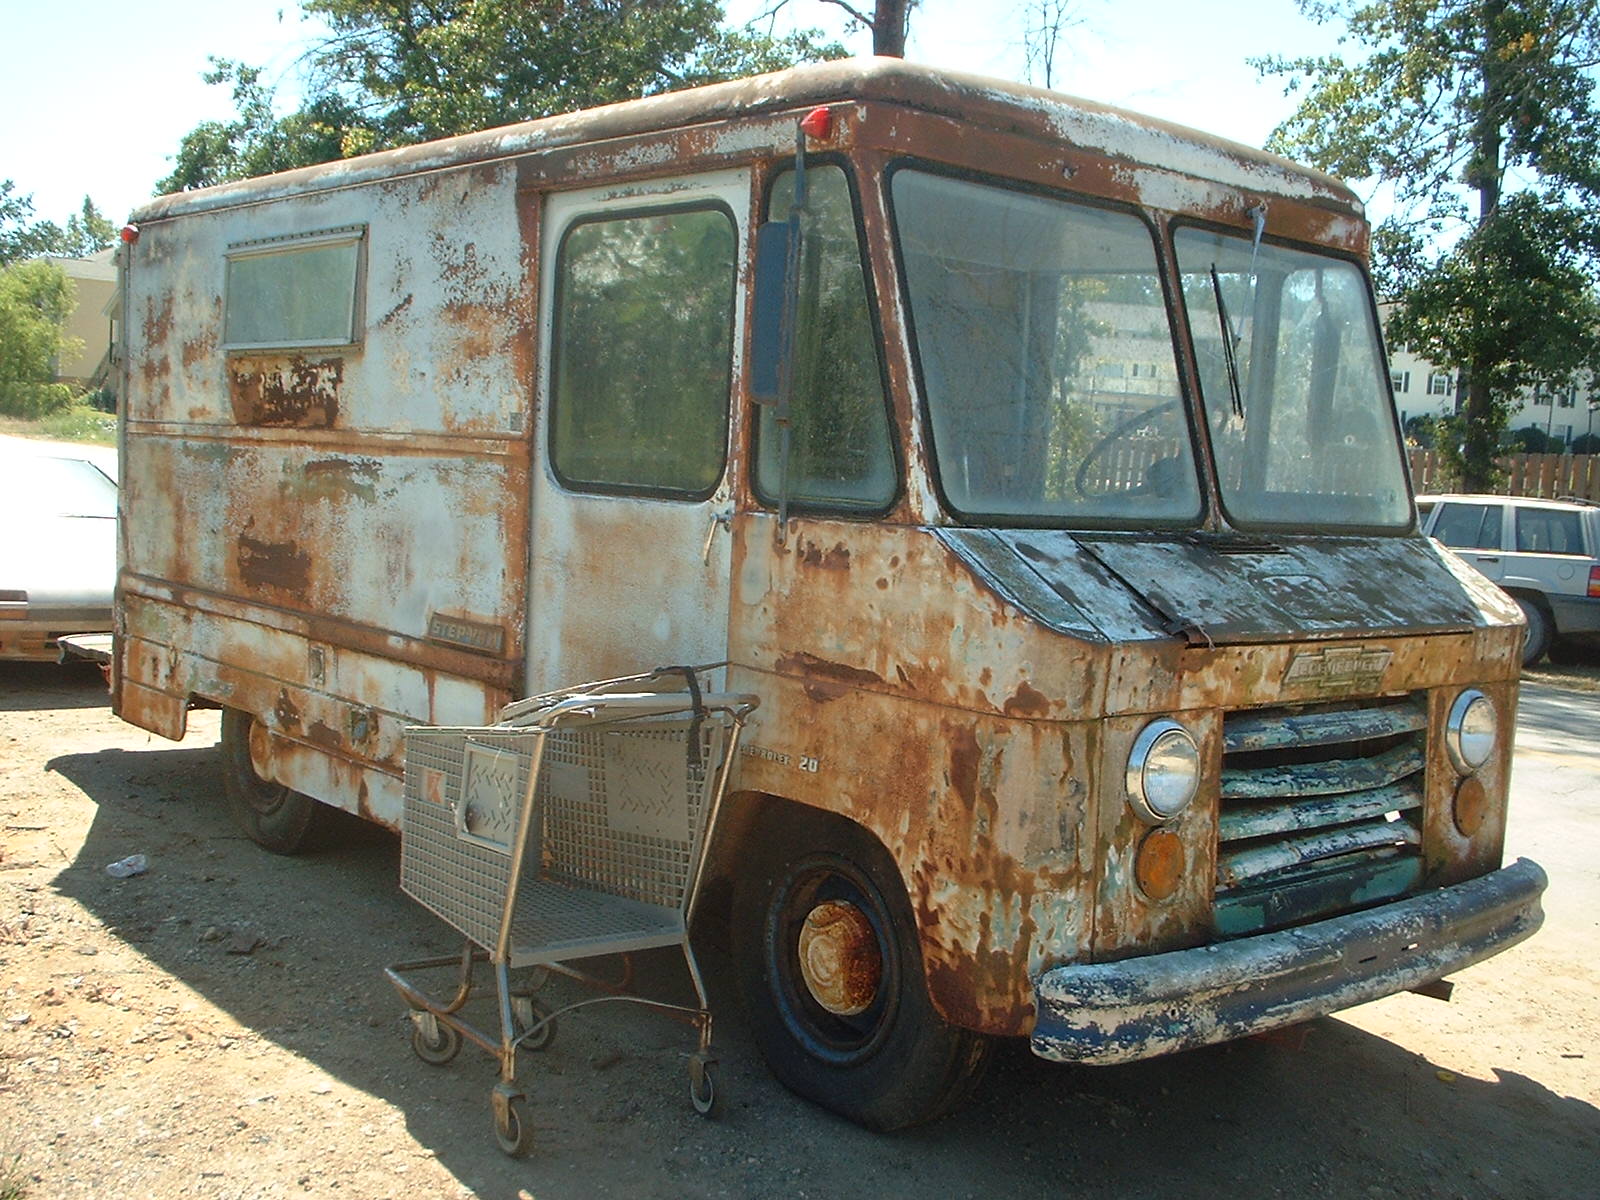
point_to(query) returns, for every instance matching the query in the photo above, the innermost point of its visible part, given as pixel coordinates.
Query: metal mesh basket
(619, 818)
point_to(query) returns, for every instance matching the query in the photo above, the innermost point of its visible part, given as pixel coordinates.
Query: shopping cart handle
(621, 705)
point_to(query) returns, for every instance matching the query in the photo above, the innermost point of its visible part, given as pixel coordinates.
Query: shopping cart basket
(577, 826)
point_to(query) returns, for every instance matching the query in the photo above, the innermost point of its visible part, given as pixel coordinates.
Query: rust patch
(200, 349)
(836, 559)
(287, 715)
(335, 478)
(965, 757)
(821, 670)
(273, 564)
(157, 320)
(394, 313)
(324, 736)
(1025, 702)
(286, 393)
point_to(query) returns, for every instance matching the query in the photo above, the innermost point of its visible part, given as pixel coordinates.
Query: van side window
(294, 291)
(643, 352)
(1469, 526)
(839, 450)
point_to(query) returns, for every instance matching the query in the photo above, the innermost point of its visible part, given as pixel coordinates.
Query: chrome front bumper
(1142, 1007)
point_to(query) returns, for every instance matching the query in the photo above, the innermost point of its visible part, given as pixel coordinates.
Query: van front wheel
(274, 816)
(829, 964)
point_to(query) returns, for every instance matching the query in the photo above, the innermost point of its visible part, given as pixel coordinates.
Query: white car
(58, 547)
(1544, 553)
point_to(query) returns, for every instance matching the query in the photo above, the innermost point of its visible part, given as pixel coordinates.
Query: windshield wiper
(1231, 339)
(1230, 346)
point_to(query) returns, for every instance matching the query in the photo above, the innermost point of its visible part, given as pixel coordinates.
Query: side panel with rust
(332, 539)
(901, 693)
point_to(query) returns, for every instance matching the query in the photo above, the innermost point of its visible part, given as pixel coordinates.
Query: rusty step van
(1032, 461)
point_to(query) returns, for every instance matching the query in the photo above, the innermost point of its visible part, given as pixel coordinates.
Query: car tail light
(1594, 581)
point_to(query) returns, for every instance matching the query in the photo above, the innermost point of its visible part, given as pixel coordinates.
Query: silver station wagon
(1544, 553)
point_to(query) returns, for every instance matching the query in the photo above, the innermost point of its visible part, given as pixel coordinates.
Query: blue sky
(99, 100)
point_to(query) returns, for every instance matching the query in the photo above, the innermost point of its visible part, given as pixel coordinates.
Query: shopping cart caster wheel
(512, 1127)
(703, 1091)
(530, 1013)
(433, 1041)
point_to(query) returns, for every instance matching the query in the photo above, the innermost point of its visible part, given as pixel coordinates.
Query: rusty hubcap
(839, 958)
(260, 750)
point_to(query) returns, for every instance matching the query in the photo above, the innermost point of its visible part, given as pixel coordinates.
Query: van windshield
(1301, 423)
(1046, 356)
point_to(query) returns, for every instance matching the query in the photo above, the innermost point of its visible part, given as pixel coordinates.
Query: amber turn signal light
(1471, 806)
(1158, 866)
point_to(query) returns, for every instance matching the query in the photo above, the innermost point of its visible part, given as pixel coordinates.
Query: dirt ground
(219, 1026)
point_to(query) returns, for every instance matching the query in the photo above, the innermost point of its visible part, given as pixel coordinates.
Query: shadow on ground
(26, 687)
(1326, 1109)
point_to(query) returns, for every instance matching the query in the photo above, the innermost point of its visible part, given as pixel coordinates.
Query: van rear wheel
(274, 816)
(831, 971)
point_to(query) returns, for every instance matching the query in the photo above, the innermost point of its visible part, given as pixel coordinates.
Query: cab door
(640, 324)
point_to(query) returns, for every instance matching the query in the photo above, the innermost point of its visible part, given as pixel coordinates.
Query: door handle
(1488, 558)
(725, 520)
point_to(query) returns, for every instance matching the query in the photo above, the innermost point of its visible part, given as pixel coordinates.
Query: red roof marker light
(818, 123)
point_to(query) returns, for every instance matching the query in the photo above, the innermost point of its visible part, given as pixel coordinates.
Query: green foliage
(395, 72)
(257, 141)
(1586, 443)
(78, 422)
(1532, 440)
(1451, 99)
(22, 237)
(35, 300)
(1422, 431)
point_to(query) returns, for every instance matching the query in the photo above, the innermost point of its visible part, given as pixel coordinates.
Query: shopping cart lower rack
(576, 827)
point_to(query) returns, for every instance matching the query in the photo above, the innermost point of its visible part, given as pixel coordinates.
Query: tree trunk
(889, 21)
(1483, 416)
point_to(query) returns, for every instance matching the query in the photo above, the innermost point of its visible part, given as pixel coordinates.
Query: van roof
(993, 103)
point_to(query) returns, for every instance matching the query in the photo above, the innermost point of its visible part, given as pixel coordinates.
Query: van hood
(1221, 589)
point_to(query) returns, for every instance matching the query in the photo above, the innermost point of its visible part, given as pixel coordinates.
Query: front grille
(1321, 811)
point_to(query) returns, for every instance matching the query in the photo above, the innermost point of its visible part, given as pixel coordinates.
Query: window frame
(796, 504)
(558, 290)
(1164, 263)
(288, 244)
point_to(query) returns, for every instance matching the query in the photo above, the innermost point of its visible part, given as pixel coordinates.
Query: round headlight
(1471, 731)
(1163, 771)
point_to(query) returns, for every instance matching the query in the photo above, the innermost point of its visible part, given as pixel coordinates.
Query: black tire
(530, 1013)
(897, 1063)
(1541, 629)
(515, 1131)
(440, 1049)
(704, 1093)
(275, 817)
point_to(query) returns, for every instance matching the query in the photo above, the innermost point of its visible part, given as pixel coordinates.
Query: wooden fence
(1547, 476)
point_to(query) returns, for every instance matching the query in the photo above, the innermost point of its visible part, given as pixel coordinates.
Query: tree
(21, 237)
(36, 298)
(1045, 21)
(889, 23)
(1492, 98)
(258, 141)
(395, 72)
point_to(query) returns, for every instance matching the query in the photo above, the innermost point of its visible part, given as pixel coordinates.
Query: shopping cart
(577, 826)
